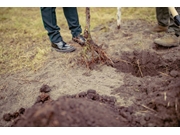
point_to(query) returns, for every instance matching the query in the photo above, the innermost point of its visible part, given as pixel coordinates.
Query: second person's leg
(50, 23)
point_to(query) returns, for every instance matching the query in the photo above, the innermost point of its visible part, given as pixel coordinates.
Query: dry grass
(24, 41)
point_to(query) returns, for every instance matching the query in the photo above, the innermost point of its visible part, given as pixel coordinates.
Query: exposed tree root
(92, 54)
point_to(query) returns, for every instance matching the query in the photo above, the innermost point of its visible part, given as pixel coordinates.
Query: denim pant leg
(162, 16)
(174, 26)
(71, 15)
(50, 23)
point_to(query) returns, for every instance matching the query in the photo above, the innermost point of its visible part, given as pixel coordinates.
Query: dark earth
(150, 94)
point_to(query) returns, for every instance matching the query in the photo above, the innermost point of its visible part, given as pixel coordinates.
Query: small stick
(164, 74)
(108, 58)
(145, 107)
(125, 61)
(148, 108)
(139, 68)
(165, 97)
(176, 105)
(168, 104)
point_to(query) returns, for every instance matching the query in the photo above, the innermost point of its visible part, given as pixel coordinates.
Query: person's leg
(71, 15)
(172, 38)
(174, 26)
(171, 25)
(162, 16)
(72, 18)
(50, 23)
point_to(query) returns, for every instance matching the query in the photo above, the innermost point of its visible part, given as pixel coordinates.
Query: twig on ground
(164, 74)
(165, 97)
(139, 68)
(176, 107)
(146, 107)
(127, 62)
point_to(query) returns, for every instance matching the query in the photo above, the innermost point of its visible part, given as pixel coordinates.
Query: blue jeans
(50, 22)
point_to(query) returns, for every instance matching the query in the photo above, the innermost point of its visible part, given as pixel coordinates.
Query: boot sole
(64, 51)
(167, 45)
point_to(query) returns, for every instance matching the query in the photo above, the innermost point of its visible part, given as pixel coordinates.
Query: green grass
(24, 41)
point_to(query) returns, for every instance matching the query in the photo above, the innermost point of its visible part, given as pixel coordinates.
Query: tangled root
(92, 54)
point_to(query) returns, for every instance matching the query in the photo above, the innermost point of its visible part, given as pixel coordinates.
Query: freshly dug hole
(145, 63)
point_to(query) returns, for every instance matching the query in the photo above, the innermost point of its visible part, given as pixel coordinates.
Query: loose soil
(142, 88)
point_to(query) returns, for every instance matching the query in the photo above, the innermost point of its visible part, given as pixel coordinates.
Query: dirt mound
(84, 109)
(156, 102)
(153, 106)
(154, 81)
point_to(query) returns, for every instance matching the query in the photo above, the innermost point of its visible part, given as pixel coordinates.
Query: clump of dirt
(43, 97)
(84, 109)
(10, 116)
(45, 88)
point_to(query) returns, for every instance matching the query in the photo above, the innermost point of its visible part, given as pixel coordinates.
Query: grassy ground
(24, 41)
